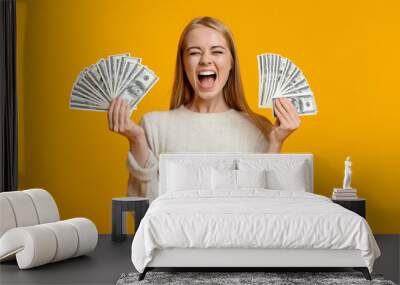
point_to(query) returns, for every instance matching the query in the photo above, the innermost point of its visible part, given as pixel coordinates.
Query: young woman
(208, 110)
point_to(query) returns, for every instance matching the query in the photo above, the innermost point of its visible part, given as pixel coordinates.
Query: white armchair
(31, 230)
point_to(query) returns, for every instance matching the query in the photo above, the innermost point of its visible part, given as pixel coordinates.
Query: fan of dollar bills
(118, 75)
(279, 77)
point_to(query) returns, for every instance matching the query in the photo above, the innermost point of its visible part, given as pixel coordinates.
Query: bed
(241, 211)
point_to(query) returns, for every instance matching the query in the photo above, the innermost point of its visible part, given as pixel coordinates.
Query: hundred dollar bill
(130, 66)
(82, 88)
(138, 87)
(94, 73)
(78, 106)
(304, 104)
(118, 75)
(103, 68)
(113, 60)
(280, 77)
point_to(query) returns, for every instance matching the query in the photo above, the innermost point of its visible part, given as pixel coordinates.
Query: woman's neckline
(194, 113)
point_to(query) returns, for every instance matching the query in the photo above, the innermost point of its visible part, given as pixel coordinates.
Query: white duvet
(251, 218)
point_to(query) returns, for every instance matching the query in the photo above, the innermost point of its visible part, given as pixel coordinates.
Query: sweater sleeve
(142, 179)
(262, 144)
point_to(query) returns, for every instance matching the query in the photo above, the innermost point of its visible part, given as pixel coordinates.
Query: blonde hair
(182, 91)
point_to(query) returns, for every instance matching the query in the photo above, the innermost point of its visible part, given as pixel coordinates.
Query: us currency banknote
(280, 77)
(139, 86)
(119, 75)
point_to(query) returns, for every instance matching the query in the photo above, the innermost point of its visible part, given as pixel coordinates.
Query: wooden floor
(111, 259)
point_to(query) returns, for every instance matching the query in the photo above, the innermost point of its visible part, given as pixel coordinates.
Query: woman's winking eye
(218, 51)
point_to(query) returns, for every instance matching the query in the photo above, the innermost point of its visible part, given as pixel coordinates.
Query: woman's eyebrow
(193, 47)
(197, 47)
(213, 47)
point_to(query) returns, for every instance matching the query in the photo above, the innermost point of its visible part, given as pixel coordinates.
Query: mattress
(250, 219)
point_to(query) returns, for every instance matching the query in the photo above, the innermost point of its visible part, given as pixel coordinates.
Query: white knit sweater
(183, 130)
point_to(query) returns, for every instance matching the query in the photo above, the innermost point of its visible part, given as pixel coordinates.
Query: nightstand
(356, 205)
(137, 205)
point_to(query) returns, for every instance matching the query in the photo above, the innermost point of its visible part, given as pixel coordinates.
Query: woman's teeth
(207, 73)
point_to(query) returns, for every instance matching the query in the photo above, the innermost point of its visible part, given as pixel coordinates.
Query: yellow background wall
(347, 49)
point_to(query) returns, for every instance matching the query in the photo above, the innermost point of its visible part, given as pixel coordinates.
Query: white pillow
(236, 179)
(223, 179)
(251, 178)
(282, 174)
(184, 177)
(293, 180)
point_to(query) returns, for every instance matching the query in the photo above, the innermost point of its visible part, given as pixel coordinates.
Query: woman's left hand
(287, 122)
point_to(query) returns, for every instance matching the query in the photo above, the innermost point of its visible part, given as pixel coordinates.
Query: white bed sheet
(250, 218)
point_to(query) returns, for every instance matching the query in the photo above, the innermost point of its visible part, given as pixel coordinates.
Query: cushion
(23, 208)
(236, 179)
(31, 233)
(26, 208)
(45, 206)
(32, 246)
(223, 179)
(281, 174)
(293, 179)
(168, 181)
(7, 218)
(40, 244)
(251, 178)
(87, 235)
(67, 238)
(183, 177)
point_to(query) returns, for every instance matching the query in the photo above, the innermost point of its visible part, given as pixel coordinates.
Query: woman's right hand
(119, 120)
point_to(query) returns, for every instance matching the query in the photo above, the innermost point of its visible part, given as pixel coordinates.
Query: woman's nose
(205, 59)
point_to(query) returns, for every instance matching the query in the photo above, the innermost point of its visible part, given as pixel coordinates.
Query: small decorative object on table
(347, 196)
(345, 193)
(138, 205)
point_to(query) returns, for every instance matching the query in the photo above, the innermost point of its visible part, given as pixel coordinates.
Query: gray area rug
(269, 278)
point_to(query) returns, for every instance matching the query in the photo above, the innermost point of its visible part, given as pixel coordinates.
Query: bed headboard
(215, 159)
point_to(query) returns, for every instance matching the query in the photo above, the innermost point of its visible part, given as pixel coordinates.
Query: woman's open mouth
(207, 79)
